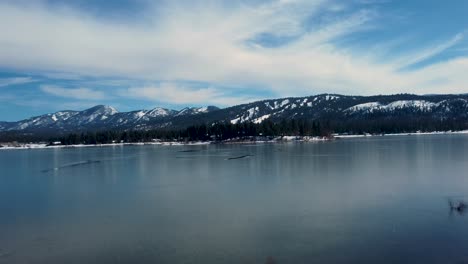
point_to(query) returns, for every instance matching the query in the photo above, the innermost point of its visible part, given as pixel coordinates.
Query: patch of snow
(202, 109)
(420, 104)
(331, 97)
(183, 111)
(261, 119)
(284, 102)
(235, 121)
(24, 125)
(249, 115)
(251, 112)
(365, 107)
(267, 104)
(140, 114)
(111, 110)
(191, 110)
(376, 106)
(276, 105)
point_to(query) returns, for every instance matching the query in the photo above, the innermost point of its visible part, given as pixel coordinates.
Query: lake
(362, 200)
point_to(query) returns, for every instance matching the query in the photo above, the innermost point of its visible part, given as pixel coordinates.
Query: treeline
(217, 132)
(398, 124)
(293, 127)
(247, 131)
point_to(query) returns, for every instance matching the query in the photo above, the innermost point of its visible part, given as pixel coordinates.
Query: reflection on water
(370, 200)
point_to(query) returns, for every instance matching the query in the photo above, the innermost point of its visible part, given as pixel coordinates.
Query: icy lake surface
(363, 200)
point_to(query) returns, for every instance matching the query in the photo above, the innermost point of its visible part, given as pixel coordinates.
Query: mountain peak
(100, 112)
(102, 109)
(160, 112)
(196, 110)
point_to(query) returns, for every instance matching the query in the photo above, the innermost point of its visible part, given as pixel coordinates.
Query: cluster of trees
(398, 124)
(216, 132)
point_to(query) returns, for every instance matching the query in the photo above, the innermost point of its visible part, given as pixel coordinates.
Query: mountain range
(340, 108)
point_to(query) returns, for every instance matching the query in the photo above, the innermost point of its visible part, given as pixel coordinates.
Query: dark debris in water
(239, 157)
(189, 150)
(71, 165)
(459, 206)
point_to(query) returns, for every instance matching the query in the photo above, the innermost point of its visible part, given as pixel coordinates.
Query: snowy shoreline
(402, 134)
(25, 146)
(47, 146)
(18, 146)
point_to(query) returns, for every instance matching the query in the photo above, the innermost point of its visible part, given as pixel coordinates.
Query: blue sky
(57, 54)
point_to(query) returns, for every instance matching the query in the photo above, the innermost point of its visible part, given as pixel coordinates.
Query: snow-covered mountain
(101, 117)
(334, 107)
(196, 110)
(339, 107)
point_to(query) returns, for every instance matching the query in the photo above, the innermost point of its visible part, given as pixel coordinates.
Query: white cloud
(62, 75)
(15, 80)
(74, 93)
(207, 42)
(176, 94)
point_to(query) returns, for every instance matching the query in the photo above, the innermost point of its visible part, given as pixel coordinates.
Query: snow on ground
(284, 138)
(140, 114)
(202, 110)
(158, 111)
(267, 104)
(373, 106)
(403, 134)
(365, 107)
(235, 120)
(261, 119)
(45, 146)
(251, 112)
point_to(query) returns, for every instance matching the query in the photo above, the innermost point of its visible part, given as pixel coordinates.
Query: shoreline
(402, 134)
(30, 146)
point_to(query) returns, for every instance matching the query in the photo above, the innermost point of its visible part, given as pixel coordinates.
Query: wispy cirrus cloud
(74, 93)
(431, 51)
(15, 81)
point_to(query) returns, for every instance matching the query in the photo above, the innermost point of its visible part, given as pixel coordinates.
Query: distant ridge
(333, 107)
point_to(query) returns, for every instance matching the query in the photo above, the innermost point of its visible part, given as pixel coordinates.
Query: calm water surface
(369, 200)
